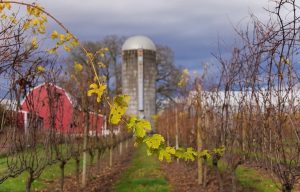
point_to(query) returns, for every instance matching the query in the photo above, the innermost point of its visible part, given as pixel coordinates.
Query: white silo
(139, 75)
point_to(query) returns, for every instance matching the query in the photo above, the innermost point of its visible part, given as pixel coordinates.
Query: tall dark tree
(168, 75)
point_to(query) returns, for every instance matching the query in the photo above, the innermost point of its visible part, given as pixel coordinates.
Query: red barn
(49, 105)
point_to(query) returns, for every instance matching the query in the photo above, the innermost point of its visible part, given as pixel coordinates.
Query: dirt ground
(100, 179)
(182, 176)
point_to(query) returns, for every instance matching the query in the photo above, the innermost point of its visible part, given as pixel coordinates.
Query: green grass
(251, 178)
(49, 174)
(144, 175)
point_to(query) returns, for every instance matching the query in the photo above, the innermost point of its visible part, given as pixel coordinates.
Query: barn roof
(70, 98)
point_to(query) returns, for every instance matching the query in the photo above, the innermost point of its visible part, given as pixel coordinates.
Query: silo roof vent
(138, 42)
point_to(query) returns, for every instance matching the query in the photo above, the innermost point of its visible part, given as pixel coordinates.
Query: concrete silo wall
(130, 81)
(149, 83)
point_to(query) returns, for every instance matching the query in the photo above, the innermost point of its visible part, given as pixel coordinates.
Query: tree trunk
(204, 175)
(287, 187)
(176, 134)
(111, 149)
(110, 156)
(121, 148)
(233, 180)
(199, 137)
(218, 173)
(199, 149)
(62, 175)
(92, 157)
(168, 135)
(98, 158)
(29, 181)
(126, 144)
(77, 172)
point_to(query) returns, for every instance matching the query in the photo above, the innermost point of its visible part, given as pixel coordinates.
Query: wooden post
(199, 135)
(85, 140)
(111, 148)
(176, 129)
(121, 147)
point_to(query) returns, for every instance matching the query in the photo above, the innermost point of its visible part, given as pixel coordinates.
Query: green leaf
(219, 151)
(186, 154)
(204, 154)
(171, 150)
(138, 126)
(166, 154)
(154, 141)
(179, 153)
(141, 127)
(118, 108)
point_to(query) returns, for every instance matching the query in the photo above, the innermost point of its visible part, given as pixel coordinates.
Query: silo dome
(138, 42)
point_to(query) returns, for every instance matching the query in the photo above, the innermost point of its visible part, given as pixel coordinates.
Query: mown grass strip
(250, 178)
(144, 175)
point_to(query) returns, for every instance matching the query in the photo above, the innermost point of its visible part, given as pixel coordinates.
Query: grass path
(251, 178)
(143, 175)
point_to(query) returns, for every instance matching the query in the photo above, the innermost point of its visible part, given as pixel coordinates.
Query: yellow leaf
(102, 65)
(73, 77)
(90, 55)
(68, 37)
(8, 5)
(44, 18)
(52, 50)
(3, 16)
(118, 108)
(34, 43)
(154, 141)
(62, 37)
(54, 35)
(93, 86)
(67, 48)
(2, 6)
(74, 43)
(98, 90)
(184, 78)
(42, 29)
(34, 10)
(35, 22)
(78, 67)
(26, 25)
(40, 69)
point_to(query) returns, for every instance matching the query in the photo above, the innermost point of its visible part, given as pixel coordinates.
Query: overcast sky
(190, 27)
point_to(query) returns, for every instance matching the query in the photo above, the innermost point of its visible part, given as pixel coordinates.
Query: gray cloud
(190, 27)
